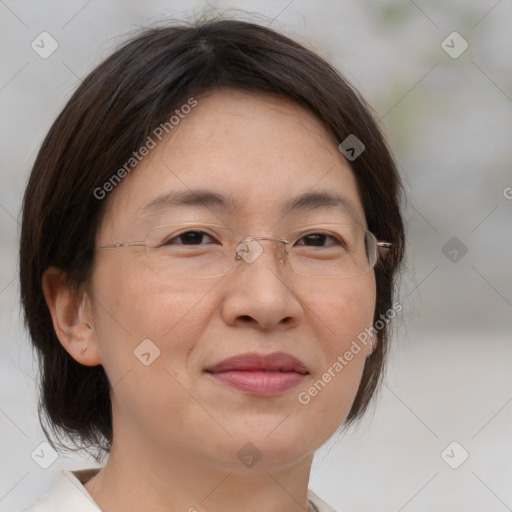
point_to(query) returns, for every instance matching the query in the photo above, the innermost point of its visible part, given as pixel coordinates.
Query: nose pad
(250, 250)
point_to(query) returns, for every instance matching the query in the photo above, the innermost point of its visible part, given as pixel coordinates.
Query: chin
(274, 442)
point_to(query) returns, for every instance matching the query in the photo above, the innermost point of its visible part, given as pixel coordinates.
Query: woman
(210, 239)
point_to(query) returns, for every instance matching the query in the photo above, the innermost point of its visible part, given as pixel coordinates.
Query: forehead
(259, 152)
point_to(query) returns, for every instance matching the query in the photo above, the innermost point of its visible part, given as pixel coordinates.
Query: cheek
(342, 313)
(133, 306)
(344, 309)
(146, 328)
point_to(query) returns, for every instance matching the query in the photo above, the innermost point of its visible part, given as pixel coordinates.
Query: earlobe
(72, 317)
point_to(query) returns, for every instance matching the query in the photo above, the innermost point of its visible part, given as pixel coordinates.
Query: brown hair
(110, 116)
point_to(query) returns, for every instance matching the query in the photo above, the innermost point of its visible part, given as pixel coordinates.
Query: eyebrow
(213, 200)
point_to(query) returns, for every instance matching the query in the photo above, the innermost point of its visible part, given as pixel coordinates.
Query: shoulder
(68, 493)
(320, 505)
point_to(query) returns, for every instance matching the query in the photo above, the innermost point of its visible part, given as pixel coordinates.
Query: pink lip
(260, 374)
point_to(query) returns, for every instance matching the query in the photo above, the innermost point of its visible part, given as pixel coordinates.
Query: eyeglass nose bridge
(249, 249)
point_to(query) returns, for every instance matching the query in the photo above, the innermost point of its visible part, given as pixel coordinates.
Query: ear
(72, 317)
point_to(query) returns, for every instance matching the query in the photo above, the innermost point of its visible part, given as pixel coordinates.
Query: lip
(260, 374)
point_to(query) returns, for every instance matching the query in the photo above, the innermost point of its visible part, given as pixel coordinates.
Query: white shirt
(68, 494)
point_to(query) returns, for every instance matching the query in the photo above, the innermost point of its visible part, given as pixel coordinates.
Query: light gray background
(449, 124)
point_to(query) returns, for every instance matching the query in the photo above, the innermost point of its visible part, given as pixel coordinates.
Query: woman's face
(258, 152)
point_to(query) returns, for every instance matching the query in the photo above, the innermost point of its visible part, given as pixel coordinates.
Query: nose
(260, 289)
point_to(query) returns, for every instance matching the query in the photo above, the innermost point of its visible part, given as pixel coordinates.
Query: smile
(260, 374)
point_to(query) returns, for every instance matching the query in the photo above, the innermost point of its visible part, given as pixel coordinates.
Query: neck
(136, 477)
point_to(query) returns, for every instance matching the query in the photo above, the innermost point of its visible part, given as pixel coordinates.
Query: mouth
(260, 374)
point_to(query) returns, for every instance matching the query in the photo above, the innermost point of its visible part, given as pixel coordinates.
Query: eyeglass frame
(238, 250)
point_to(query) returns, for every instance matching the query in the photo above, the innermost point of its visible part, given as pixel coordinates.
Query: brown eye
(187, 238)
(319, 239)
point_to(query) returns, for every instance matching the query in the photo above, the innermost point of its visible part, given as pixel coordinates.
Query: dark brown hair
(110, 116)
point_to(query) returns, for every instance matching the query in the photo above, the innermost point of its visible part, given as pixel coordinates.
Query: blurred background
(438, 75)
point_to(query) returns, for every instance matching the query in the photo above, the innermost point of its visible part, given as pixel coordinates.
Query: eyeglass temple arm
(124, 244)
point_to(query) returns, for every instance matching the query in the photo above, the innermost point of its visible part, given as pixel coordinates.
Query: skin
(177, 431)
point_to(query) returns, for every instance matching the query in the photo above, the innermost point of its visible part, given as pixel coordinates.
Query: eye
(317, 239)
(192, 237)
